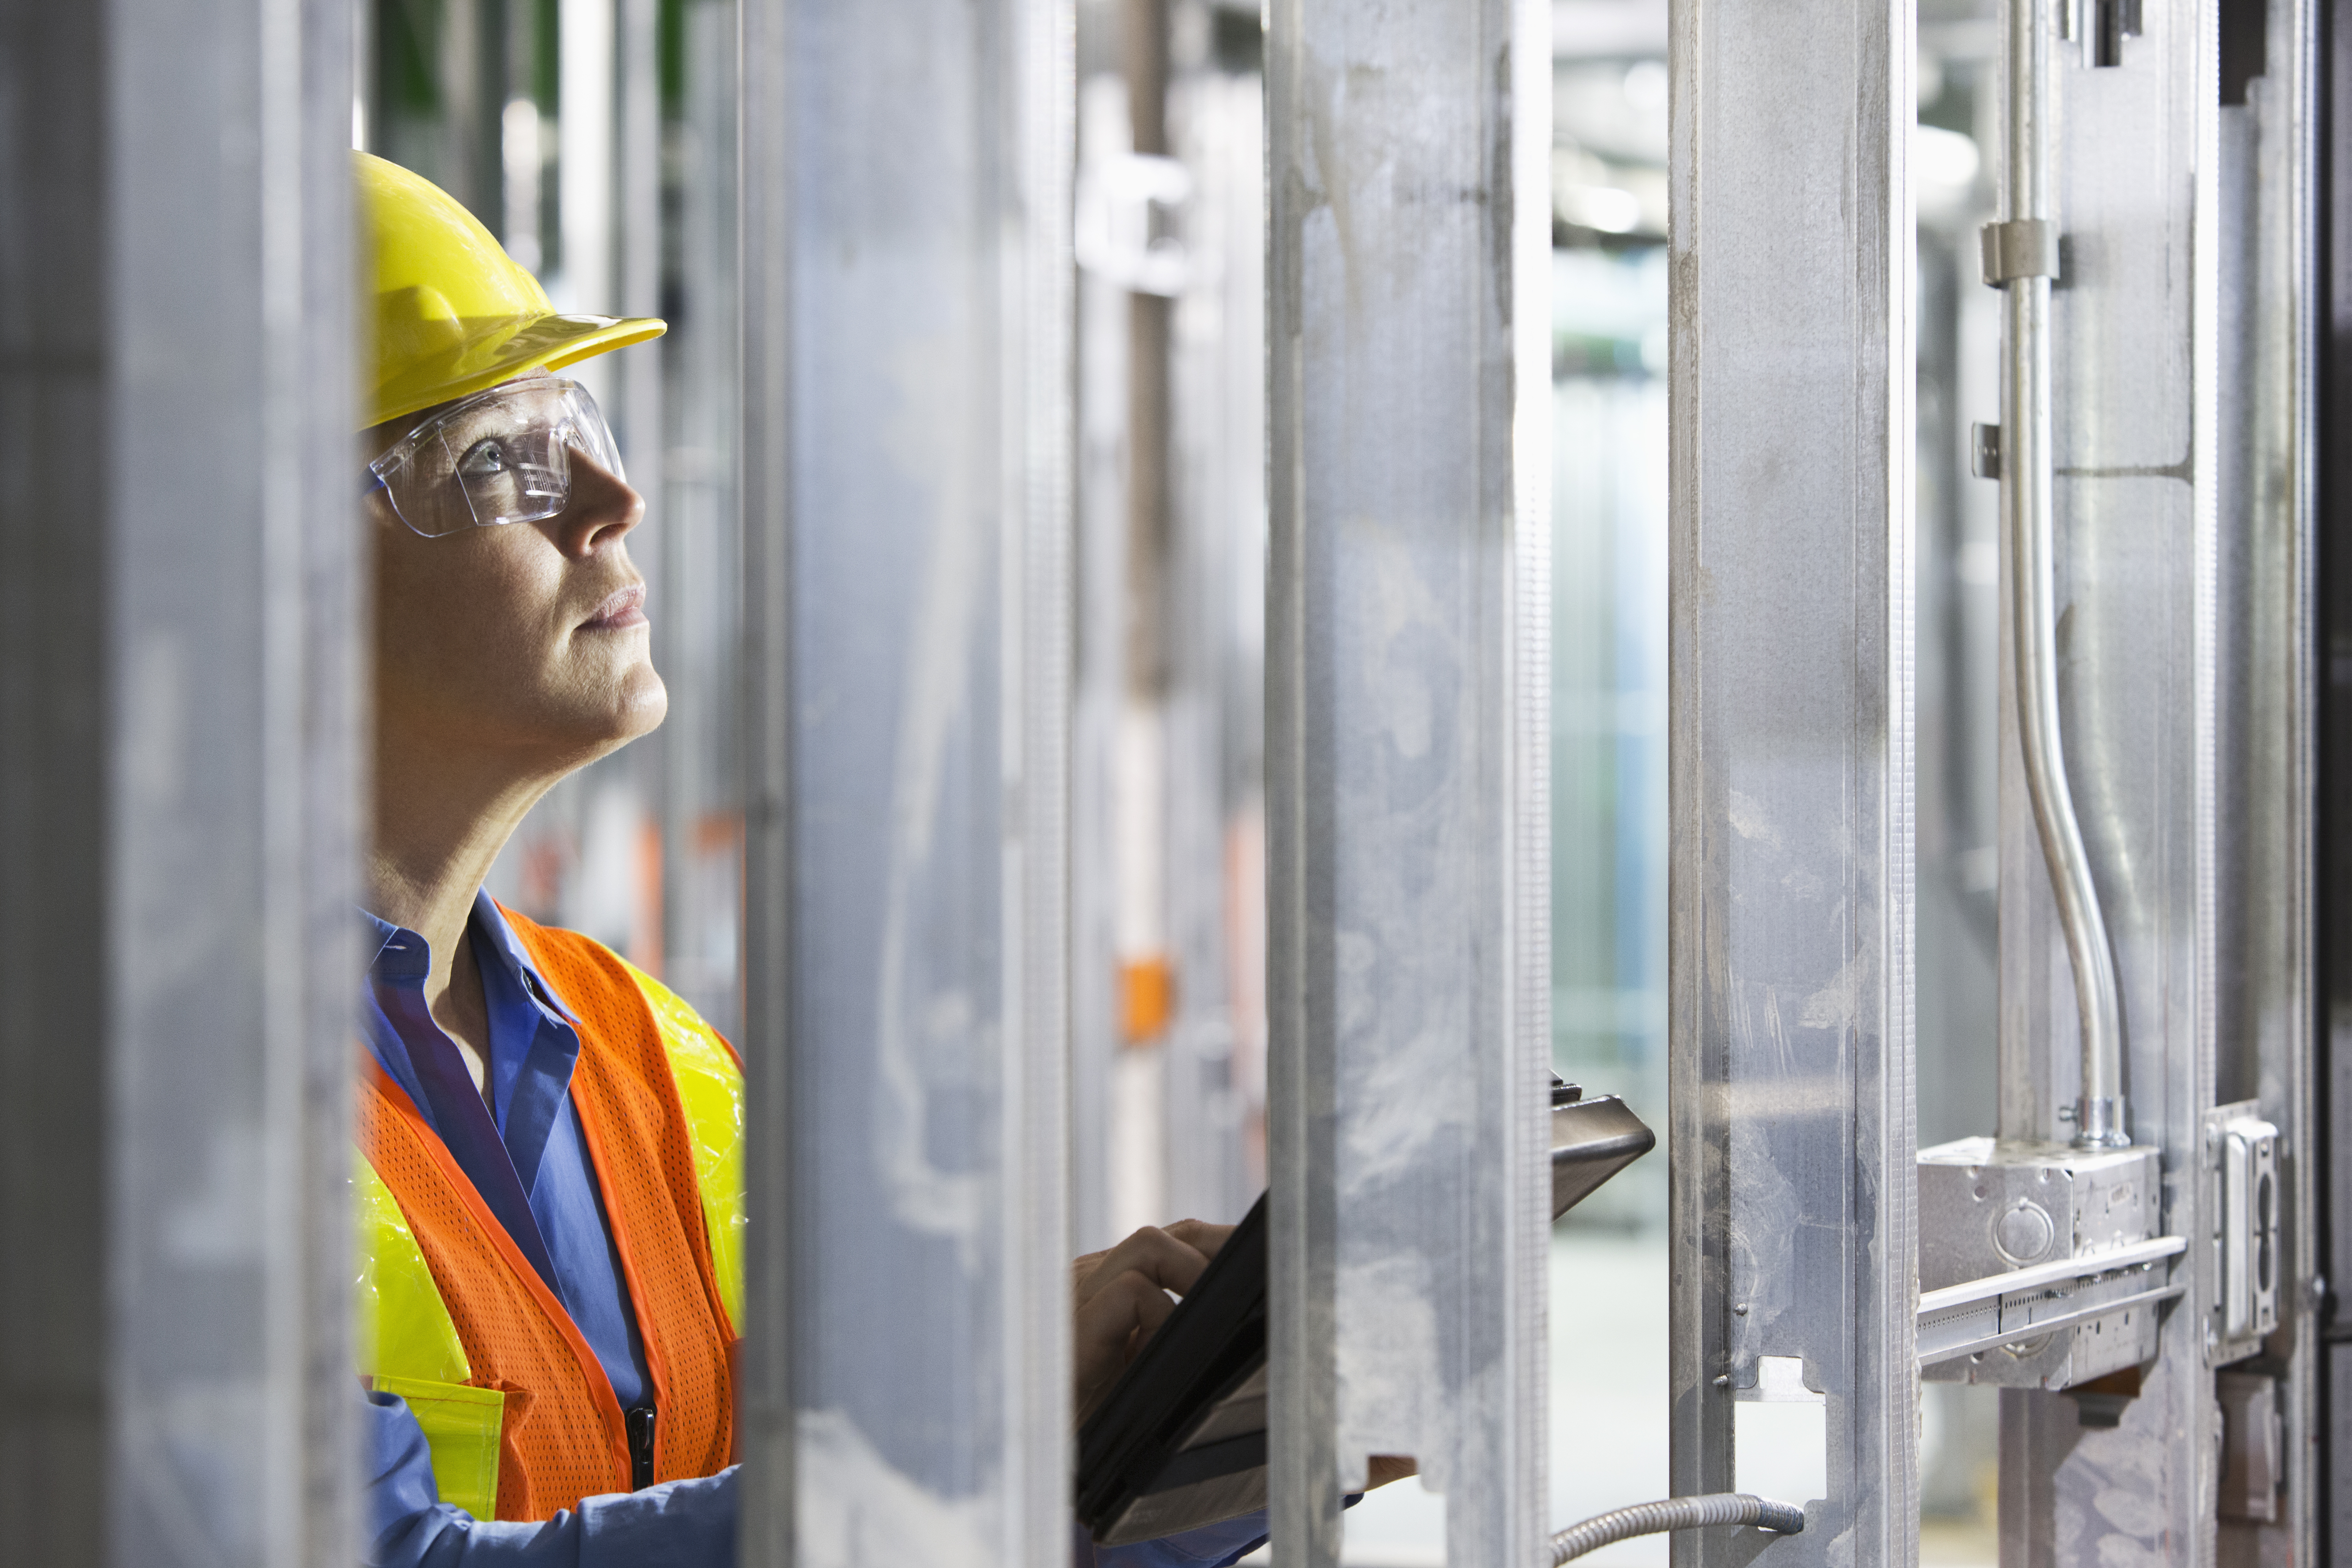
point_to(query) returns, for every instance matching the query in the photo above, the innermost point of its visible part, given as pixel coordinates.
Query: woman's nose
(603, 507)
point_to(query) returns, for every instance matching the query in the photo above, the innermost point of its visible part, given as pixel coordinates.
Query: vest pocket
(461, 1427)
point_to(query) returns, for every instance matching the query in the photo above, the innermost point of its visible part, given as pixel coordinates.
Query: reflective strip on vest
(710, 1086)
(407, 1345)
(405, 1340)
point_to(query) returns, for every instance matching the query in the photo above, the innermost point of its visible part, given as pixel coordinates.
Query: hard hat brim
(483, 353)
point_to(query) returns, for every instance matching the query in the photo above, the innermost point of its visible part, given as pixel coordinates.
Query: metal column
(905, 465)
(1790, 645)
(1408, 401)
(2133, 378)
(2262, 802)
(178, 657)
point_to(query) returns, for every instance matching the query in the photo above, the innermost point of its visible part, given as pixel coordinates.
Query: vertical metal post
(1408, 394)
(2132, 159)
(2100, 1116)
(639, 244)
(2263, 804)
(178, 659)
(1099, 689)
(1216, 674)
(1790, 647)
(2331, 336)
(906, 472)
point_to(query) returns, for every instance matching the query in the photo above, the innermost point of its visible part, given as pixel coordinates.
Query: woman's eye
(483, 459)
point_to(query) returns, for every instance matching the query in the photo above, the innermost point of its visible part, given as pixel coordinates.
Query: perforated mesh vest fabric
(637, 1137)
(710, 1078)
(667, 1183)
(561, 1438)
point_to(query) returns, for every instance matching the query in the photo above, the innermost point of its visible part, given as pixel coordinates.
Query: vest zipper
(640, 1424)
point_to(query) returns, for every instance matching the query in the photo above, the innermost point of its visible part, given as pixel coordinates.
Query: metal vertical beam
(2132, 325)
(2262, 802)
(638, 239)
(1098, 688)
(1790, 645)
(1408, 403)
(178, 604)
(906, 470)
(1216, 676)
(2330, 1147)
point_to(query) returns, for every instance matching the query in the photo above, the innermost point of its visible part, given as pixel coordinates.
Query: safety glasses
(500, 456)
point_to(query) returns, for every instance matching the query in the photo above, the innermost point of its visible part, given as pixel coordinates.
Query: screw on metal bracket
(1984, 451)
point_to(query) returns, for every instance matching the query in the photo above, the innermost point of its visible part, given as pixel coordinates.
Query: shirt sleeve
(678, 1524)
(1211, 1546)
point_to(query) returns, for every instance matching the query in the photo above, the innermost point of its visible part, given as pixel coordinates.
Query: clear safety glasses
(500, 456)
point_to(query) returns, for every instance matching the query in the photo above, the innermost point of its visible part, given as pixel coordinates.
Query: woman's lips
(623, 608)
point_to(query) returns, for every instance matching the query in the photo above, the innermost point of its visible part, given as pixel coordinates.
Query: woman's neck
(439, 826)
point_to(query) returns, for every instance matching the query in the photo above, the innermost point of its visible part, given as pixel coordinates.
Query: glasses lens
(503, 458)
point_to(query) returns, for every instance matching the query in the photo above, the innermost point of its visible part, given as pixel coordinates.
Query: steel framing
(1406, 730)
(1789, 986)
(905, 472)
(2133, 171)
(2264, 733)
(178, 582)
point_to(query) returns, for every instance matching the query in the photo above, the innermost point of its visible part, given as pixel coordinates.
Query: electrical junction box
(2242, 1185)
(2078, 1230)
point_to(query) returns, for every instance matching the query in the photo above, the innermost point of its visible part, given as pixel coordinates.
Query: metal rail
(2020, 258)
(2024, 1304)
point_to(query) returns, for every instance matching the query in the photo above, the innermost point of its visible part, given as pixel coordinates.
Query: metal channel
(905, 467)
(2328, 1148)
(2263, 803)
(1793, 1206)
(179, 595)
(2132, 185)
(2100, 1117)
(1408, 400)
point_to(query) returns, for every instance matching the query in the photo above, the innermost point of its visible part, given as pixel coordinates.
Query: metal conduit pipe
(1675, 1513)
(2020, 258)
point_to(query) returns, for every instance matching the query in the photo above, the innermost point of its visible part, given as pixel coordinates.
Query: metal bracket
(2242, 1186)
(2001, 1309)
(1984, 451)
(2019, 247)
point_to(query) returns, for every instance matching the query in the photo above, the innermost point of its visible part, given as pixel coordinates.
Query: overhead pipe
(2020, 256)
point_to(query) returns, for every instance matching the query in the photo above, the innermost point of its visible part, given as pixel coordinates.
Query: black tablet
(1180, 1441)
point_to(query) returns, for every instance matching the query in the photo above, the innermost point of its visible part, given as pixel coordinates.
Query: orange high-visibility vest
(515, 1408)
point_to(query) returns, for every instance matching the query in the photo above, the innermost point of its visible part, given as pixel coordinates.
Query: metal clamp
(2019, 247)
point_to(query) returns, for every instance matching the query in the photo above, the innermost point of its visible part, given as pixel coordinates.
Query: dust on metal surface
(1409, 267)
(906, 265)
(1791, 862)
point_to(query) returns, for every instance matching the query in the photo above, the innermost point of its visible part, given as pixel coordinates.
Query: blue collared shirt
(519, 1145)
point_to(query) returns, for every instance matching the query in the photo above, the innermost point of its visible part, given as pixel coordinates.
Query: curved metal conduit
(2022, 257)
(1675, 1513)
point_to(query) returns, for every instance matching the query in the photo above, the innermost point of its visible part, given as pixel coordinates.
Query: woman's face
(528, 639)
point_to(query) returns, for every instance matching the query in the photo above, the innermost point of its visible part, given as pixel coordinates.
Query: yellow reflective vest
(407, 1341)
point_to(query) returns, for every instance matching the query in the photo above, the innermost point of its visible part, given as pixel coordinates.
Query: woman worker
(548, 1176)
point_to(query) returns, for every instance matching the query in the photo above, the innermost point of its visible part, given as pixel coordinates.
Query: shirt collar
(490, 921)
(402, 957)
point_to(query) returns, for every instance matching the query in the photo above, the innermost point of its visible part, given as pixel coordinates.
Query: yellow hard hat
(455, 315)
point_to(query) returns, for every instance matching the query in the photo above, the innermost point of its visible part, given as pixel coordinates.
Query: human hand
(1120, 1295)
